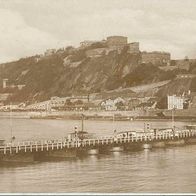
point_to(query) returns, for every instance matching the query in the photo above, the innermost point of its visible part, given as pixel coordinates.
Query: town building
(41, 106)
(133, 47)
(133, 103)
(112, 104)
(57, 102)
(181, 64)
(14, 106)
(116, 42)
(111, 43)
(175, 102)
(156, 58)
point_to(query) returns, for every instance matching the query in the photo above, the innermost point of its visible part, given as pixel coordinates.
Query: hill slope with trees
(71, 72)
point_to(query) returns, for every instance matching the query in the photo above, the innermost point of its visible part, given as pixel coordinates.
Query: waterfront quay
(29, 151)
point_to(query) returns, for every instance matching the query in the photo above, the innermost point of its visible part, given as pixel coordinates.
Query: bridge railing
(60, 144)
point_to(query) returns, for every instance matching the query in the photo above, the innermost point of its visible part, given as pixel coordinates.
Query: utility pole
(11, 121)
(82, 122)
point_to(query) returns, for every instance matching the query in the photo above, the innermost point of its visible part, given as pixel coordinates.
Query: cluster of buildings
(119, 42)
(134, 102)
(95, 49)
(156, 58)
(82, 103)
(60, 103)
(112, 43)
(161, 59)
(110, 104)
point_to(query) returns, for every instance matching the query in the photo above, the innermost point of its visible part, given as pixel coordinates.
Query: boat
(150, 132)
(163, 131)
(125, 134)
(80, 135)
(138, 133)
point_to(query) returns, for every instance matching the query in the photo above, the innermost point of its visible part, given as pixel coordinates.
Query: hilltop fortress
(162, 59)
(118, 43)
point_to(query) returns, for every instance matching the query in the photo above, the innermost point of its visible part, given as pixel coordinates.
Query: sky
(29, 27)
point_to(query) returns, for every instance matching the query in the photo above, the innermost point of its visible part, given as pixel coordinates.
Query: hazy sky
(29, 27)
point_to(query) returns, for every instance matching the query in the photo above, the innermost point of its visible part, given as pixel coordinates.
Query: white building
(45, 105)
(175, 102)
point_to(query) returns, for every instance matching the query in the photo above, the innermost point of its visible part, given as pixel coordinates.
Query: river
(165, 170)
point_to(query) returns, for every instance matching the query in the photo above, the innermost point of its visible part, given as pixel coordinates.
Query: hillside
(71, 72)
(178, 87)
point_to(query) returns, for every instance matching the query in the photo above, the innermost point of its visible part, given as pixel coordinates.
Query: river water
(165, 170)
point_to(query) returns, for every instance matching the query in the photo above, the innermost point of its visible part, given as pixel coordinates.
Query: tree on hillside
(162, 103)
(120, 105)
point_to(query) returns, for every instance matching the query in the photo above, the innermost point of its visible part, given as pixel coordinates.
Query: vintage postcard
(97, 97)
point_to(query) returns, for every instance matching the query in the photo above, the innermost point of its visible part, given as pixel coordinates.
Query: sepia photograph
(97, 97)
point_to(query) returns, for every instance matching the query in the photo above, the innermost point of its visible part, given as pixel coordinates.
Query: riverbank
(117, 115)
(119, 118)
(101, 115)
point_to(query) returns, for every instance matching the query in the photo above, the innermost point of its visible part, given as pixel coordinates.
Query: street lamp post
(173, 122)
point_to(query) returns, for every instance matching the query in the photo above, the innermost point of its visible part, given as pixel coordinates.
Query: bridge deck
(35, 146)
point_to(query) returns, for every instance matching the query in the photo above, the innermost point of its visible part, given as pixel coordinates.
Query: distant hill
(71, 72)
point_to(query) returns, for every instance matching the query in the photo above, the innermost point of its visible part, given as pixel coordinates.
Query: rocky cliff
(71, 72)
